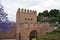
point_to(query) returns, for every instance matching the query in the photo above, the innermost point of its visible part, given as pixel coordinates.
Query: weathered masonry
(27, 26)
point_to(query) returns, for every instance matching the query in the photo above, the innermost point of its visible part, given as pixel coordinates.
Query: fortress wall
(10, 34)
(26, 28)
(42, 28)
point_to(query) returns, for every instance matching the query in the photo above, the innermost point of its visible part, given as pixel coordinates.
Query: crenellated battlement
(27, 11)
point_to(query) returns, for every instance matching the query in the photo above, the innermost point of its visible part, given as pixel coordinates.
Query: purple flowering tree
(3, 15)
(4, 22)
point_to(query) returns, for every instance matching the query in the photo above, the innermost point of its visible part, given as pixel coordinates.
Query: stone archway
(33, 35)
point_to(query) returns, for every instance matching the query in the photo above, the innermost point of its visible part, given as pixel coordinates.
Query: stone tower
(26, 16)
(27, 26)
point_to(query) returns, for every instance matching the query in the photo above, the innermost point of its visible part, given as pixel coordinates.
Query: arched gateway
(27, 26)
(33, 35)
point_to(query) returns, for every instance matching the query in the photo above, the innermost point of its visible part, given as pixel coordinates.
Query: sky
(11, 6)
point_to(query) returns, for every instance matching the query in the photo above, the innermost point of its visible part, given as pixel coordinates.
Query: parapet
(27, 11)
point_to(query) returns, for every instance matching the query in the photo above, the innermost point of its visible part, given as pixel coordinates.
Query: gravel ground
(7, 39)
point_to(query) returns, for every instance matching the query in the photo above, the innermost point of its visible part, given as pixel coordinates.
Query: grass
(55, 35)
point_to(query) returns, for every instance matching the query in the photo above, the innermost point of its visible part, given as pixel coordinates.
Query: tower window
(31, 19)
(25, 18)
(28, 19)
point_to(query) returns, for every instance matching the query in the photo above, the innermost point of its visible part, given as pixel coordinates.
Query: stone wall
(10, 34)
(25, 29)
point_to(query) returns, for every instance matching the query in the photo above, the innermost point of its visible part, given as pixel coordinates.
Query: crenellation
(35, 11)
(19, 9)
(27, 11)
(30, 11)
(22, 10)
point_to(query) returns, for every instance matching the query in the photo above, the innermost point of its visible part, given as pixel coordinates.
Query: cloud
(30, 3)
(11, 6)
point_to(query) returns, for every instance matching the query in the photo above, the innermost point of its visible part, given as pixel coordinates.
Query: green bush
(54, 35)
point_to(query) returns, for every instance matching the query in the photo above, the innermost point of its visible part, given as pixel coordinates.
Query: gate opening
(33, 35)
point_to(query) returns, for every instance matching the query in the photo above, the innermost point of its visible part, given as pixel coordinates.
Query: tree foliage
(45, 13)
(3, 15)
(52, 16)
(54, 13)
(4, 22)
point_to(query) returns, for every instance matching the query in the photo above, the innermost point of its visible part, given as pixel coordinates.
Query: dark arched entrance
(33, 35)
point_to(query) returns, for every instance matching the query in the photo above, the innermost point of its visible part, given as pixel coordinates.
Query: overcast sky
(11, 6)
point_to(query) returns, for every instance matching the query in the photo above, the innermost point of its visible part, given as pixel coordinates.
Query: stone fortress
(26, 26)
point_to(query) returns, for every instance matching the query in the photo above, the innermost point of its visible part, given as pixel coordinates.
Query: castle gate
(33, 35)
(27, 26)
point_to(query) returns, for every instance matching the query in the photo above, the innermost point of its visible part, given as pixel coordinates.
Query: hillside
(54, 35)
